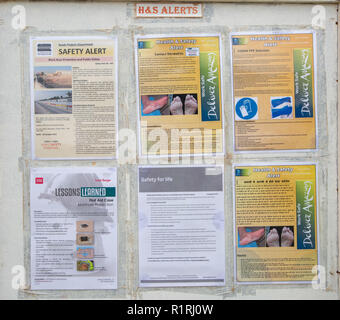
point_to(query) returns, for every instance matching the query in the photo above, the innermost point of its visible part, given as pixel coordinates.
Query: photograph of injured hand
(177, 104)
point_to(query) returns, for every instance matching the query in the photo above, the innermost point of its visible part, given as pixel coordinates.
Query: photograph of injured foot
(151, 103)
(280, 236)
(177, 104)
(251, 237)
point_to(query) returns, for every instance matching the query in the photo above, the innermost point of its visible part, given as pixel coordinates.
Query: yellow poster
(275, 218)
(179, 94)
(74, 97)
(274, 91)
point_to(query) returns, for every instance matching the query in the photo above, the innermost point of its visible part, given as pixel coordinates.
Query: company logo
(210, 92)
(303, 81)
(145, 44)
(239, 41)
(242, 172)
(39, 180)
(305, 210)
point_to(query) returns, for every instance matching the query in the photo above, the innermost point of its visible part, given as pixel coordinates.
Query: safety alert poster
(74, 97)
(73, 228)
(274, 91)
(275, 218)
(179, 94)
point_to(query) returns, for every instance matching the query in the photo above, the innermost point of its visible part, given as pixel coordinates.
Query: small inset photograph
(84, 226)
(246, 108)
(85, 252)
(53, 77)
(53, 102)
(281, 107)
(85, 238)
(280, 236)
(251, 237)
(85, 265)
(169, 105)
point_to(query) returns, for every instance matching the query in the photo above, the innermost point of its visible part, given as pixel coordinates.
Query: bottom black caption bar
(170, 310)
(164, 309)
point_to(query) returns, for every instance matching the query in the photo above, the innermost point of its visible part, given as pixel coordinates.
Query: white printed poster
(74, 97)
(73, 228)
(181, 226)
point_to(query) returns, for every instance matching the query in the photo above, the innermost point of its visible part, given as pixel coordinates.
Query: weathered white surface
(118, 18)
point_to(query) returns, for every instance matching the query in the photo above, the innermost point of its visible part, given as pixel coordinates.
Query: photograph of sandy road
(54, 77)
(53, 102)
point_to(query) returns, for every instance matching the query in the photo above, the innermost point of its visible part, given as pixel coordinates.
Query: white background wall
(118, 18)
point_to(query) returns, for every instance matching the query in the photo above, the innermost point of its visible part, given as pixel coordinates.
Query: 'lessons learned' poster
(73, 228)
